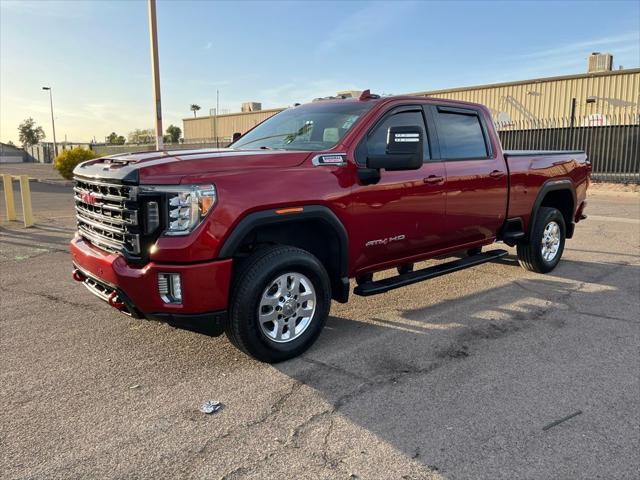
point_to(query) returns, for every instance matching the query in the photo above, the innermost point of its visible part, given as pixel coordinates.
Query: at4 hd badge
(330, 159)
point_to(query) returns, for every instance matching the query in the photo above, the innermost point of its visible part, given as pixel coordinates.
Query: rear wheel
(280, 302)
(544, 249)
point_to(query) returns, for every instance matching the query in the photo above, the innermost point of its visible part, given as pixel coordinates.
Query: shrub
(66, 161)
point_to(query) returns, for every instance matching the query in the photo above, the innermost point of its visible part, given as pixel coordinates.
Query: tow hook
(78, 276)
(115, 301)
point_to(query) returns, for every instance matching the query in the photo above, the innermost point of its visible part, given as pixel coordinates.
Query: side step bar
(386, 284)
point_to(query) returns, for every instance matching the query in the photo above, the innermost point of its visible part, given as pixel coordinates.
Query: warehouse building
(601, 96)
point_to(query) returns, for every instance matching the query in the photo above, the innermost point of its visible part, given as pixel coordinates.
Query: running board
(386, 284)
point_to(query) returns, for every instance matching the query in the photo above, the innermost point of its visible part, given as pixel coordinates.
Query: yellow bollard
(8, 197)
(25, 194)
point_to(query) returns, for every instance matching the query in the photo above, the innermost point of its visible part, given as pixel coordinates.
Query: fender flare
(551, 186)
(271, 217)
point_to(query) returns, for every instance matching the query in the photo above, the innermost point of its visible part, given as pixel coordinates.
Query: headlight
(186, 205)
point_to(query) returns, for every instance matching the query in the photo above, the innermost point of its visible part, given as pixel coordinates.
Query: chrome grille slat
(102, 218)
(101, 196)
(106, 215)
(98, 240)
(99, 225)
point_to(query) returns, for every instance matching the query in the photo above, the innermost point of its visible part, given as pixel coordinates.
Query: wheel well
(561, 200)
(313, 235)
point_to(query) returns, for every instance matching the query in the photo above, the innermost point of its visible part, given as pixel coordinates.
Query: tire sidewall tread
(250, 279)
(529, 254)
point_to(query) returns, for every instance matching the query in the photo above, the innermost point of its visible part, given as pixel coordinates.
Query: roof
(526, 82)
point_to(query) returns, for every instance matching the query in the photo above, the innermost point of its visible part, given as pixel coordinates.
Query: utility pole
(155, 69)
(53, 122)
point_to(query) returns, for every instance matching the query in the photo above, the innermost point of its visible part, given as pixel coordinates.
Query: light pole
(155, 69)
(53, 122)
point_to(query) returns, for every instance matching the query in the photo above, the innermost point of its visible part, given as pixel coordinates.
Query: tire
(259, 284)
(531, 254)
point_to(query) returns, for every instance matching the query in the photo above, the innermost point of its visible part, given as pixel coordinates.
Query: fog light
(170, 287)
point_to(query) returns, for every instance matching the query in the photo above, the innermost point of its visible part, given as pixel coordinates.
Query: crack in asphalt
(47, 296)
(456, 351)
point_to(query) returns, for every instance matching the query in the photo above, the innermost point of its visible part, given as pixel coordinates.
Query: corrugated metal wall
(612, 93)
(615, 95)
(204, 129)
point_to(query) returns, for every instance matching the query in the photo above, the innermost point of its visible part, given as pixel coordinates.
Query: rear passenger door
(476, 186)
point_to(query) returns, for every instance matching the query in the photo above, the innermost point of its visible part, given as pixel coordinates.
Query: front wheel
(279, 304)
(542, 252)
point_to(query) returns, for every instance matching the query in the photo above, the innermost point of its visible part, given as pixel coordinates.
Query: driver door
(403, 214)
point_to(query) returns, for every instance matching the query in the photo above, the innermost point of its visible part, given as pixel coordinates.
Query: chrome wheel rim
(550, 241)
(286, 307)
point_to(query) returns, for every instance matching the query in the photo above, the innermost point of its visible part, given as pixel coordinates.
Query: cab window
(377, 140)
(461, 135)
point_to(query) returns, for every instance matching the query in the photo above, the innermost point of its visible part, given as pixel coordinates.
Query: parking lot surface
(460, 377)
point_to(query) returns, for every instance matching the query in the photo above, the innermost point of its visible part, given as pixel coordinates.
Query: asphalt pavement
(462, 377)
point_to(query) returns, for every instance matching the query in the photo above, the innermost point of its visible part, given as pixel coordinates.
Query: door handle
(433, 179)
(497, 174)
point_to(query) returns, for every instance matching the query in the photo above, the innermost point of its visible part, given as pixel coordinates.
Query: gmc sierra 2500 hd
(256, 239)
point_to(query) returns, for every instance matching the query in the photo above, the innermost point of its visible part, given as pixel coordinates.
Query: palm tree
(194, 108)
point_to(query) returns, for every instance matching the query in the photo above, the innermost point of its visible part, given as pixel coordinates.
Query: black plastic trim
(382, 286)
(209, 323)
(98, 170)
(551, 186)
(270, 217)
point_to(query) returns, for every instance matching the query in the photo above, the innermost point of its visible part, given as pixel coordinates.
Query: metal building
(595, 98)
(591, 97)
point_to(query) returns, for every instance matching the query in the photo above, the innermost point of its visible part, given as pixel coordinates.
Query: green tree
(30, 134)
(146, 135)
(194, 108)
(68, 159)
(115, 139)
(174, 133)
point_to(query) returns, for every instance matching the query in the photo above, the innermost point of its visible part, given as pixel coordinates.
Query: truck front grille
(108, 215)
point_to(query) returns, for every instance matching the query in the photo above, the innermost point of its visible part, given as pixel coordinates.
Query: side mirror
(403, 152)
(236, 136)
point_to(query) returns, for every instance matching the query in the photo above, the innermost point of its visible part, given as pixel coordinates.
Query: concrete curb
(62, 183)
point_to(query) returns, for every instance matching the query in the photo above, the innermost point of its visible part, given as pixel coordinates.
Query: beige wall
(617, 96)
(616, 93)
(202, 128)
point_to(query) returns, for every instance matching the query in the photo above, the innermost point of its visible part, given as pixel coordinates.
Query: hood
(170, 166)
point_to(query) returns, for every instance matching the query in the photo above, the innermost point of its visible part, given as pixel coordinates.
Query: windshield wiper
(265, 138)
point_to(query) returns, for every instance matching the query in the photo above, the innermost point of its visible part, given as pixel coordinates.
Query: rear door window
(461, 134)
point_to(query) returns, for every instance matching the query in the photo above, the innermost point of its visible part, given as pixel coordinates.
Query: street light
(53, 123)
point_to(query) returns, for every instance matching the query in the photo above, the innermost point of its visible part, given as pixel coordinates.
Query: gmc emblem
(88, 198)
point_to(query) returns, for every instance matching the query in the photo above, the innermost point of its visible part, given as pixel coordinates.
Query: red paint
(443, 207)
(205, 286)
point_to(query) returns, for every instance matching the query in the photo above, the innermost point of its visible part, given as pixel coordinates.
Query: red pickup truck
(256, 239)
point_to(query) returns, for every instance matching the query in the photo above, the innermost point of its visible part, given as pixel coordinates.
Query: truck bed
(529, 170)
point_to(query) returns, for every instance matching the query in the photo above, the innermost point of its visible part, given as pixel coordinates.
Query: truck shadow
(392, 374)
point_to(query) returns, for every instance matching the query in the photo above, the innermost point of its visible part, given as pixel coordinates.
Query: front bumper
(205, 286)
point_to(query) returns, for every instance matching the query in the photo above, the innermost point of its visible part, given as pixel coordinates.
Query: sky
(95, 55)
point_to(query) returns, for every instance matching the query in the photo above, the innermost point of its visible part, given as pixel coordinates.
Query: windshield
(315, 126)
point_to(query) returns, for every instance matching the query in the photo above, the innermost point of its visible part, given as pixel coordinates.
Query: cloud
(364, 23)
(588, 45)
